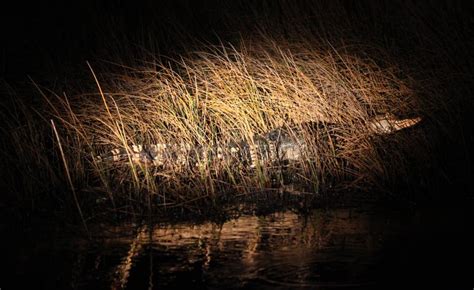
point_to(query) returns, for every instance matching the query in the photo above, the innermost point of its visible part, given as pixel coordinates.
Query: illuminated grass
(220, 95)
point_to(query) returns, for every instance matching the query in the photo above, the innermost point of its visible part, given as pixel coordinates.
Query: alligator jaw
(388, 124)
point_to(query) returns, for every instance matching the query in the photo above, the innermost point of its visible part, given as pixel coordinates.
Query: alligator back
(276, 146)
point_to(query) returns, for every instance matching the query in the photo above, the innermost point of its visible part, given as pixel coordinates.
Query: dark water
(332, 248)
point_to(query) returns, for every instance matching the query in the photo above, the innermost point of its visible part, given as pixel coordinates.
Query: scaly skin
(276, 145)
(279, 145)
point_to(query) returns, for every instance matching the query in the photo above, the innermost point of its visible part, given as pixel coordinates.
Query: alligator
(276, 146)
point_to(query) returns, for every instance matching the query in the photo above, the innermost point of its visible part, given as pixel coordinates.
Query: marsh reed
(214, 96)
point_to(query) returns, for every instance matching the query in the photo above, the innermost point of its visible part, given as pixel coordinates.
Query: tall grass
(210, 98)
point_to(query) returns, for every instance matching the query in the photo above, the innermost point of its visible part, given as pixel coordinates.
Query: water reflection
(326, 248)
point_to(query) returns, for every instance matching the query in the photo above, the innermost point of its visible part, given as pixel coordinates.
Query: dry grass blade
(66, 169)
(222, 95)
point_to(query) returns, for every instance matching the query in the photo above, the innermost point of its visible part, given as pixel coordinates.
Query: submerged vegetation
(218, 94)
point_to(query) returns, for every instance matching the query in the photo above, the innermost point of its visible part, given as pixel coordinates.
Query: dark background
(46, 38)
(50, 41)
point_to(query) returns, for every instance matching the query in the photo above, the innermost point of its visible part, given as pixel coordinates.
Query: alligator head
(389, 123)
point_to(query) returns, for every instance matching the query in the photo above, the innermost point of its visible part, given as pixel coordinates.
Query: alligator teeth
(389, 123)
(405, 123)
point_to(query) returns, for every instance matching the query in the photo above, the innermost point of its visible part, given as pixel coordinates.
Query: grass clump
(213, 97)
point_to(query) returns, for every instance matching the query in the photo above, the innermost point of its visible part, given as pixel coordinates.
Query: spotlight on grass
(208, 108)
